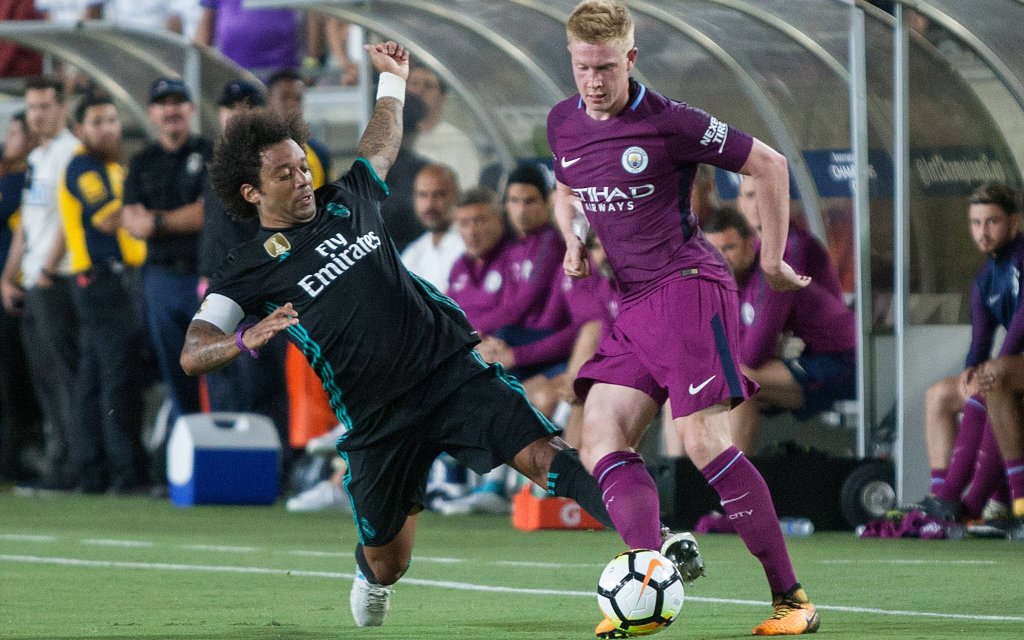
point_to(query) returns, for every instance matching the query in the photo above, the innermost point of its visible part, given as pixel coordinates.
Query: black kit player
(394, 355)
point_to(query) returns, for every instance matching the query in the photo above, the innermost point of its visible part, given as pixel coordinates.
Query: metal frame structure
(125, 60)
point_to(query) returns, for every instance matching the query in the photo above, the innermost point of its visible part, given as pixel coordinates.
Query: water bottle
(796, 527)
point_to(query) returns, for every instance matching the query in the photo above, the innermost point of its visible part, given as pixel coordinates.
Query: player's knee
(940, 394)
(1001, 370)
(388, 570)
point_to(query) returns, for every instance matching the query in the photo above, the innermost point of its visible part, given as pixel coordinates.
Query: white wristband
(391, 86)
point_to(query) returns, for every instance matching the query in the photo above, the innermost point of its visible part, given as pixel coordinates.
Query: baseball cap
(163, 87)
(241, 91)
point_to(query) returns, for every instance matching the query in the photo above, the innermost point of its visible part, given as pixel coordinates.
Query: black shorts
(476, 413)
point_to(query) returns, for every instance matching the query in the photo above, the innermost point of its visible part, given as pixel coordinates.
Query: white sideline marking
(461, 586)
(907, 561)
(13, 537)
(218, 547)
(16, 537)
(103, 542)
(320, 554)
(548, 565)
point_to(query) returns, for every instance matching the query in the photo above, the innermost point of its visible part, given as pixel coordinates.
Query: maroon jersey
(633, 173)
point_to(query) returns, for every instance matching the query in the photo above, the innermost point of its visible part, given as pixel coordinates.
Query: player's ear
(631, 58)
(250, 194)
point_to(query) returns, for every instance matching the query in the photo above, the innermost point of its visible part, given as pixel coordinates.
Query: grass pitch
(85, 567)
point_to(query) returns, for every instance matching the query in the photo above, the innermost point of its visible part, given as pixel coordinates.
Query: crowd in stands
(323, 49)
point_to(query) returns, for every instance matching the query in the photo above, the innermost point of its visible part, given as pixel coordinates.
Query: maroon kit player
(624, 158)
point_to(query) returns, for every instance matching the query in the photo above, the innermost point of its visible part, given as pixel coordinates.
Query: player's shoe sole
(681, 549)
(794, 615)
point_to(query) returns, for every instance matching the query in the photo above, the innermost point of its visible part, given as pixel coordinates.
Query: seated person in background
(478, 279)
(804, 252)
(704, 194)
(505, 284)
(953, 449)
(538, 332)
(593, 303)
(1002, 382)
(431, 256)
(822, 374)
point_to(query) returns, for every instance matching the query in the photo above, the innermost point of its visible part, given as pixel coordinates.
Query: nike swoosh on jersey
(725, 502)
(568, 163)
(695, 390)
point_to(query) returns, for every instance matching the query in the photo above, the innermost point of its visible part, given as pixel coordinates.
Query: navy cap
(241, 91)
(163, 87)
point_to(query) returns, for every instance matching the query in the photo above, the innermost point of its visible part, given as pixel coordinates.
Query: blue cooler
(223, 458)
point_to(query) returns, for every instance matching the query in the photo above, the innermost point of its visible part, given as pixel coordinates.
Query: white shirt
(447, 144)
(65, 11)
(434, 263)
(149, 14)
(40, 215)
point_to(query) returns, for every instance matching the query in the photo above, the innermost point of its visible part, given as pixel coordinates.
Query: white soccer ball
(641, 591)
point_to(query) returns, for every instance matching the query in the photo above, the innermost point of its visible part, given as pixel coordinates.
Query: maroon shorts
(681, 341)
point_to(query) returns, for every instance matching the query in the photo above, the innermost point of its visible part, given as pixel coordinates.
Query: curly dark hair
(236, 158)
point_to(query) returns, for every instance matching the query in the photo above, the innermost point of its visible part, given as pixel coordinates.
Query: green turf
(58, 578)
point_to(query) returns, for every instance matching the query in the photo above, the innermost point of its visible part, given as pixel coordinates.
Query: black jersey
(369, 328)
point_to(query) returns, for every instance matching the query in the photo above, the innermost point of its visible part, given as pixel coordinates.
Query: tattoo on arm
(383, 136)
(206, 348)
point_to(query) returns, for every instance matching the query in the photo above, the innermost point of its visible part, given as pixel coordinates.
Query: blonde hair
(601, 22)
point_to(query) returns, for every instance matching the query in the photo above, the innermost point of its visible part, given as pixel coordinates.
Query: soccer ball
(641, 591)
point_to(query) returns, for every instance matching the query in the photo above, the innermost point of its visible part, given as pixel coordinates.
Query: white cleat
(370, 602)
(475, 502)
(320, 497)
(326, 443)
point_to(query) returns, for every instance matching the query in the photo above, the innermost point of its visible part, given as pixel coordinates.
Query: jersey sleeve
(555, 118)
(237, 285)
(983, 328)
(696, 136)
(362, 181)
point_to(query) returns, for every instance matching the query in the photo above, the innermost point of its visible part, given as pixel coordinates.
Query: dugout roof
(125, 61)
(776, 68)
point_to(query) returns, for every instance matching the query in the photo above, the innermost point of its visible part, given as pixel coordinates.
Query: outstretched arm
(207, 348)
(383, 135)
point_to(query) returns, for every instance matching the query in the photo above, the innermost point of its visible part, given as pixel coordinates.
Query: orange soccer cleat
(794, 615)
